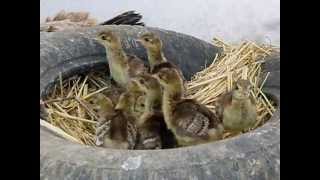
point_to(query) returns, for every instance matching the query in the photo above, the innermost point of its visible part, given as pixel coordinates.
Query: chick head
(146, 83)
(108, 39)
(167, 76)
(125, 101)
(242, 89)
(150, 41)
(100, 102)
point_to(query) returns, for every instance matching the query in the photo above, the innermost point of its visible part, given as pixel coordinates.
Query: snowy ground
(231, 20)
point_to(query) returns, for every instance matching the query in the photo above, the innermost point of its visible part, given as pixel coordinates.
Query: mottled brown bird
(190, 121)
(150, 123)
(156, 57)
(122, 66)
(153, 45)
(114, 129)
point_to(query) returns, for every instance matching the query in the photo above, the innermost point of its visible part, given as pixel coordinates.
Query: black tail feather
(127, 18)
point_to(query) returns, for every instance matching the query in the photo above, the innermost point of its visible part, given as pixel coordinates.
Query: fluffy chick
(114, 129)
(152, 90)
(238, 108)
(122, 66)
(156, 57)
(190, 121)
(150, 123)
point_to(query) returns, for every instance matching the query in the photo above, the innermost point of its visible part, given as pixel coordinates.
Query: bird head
(125, 101)
(108, 39)
(150, 41)
(242, 89)
(167, 77)
(146, 83)
(100, 102)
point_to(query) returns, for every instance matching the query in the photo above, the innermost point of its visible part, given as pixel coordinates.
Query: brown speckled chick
(122, 66)
(190, 121)
(238, 108)
(114, 129)
(151, 122)
(156, 57)
(148, 131)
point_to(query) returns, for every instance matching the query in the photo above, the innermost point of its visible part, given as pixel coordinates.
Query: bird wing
(253, 101)
(129, 18)
(102, 129)
(132, 133)
(189, 120)
(224, 100)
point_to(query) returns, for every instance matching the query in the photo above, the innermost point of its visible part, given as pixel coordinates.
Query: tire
(254, 155)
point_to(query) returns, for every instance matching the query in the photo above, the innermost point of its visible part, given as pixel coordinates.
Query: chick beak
(155, 76)
(97, 39)
(118, 107)
(139, 41)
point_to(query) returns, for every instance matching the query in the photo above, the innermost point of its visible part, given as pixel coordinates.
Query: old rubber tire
(254, 155)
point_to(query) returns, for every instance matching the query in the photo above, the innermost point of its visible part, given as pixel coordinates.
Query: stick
(58, 131)
(65, 115)
(58, 100)
(61, 85)
(87, 108)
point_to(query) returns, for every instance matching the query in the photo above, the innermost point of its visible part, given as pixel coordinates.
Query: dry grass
(238, 61)
(73, 120)
(66, 108)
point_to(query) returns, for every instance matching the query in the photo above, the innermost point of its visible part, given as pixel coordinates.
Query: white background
(231, 20)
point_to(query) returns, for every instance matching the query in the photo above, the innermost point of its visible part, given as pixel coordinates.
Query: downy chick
(190, 121)
(153, 45)
(113, 93)
(156, 57)
(238, 108)
(121, 65)
(152, 90)
(113, 130)
(132, 101)
(150, 123)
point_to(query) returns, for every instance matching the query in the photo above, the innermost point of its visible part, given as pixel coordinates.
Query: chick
(190, 121)
(121, 65)
(152, 90)
(116, 131)
(149, 123)
(153, 45)
(113, 130)
(113, 93)
(149, 133)
(156, 57)
(238, 108)
(101, 105)
(132, 102)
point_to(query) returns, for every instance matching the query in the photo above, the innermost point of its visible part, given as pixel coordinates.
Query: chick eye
(103, 37)
(141, 81)
(147, 39)
(162, 76)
